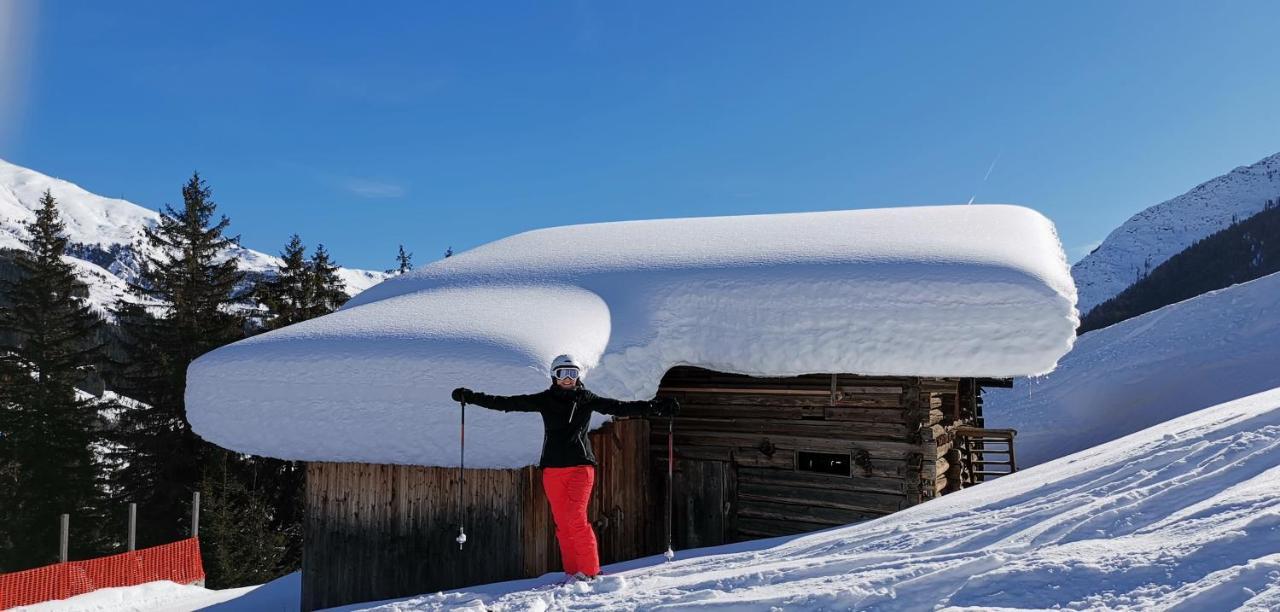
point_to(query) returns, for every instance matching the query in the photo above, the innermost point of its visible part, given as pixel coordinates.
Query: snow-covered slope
(1199, 352)
(915, 291)
(105, 234)
(1181, 516)
(1152, 236)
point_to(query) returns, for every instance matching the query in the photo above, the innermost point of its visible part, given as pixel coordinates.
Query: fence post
(64, 533)
(133, 526)
(195, 514)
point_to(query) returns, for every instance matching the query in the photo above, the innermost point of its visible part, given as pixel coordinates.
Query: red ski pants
(569, 491)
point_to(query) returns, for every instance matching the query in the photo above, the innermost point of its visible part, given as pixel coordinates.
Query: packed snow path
(1181, 516)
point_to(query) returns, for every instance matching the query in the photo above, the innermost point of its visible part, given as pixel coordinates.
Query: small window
(823, 463)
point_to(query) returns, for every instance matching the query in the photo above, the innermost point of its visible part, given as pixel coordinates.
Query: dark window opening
(823, 463)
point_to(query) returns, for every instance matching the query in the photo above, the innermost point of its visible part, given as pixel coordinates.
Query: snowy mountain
(1196, 353)
(106, 234)
(1154, 235)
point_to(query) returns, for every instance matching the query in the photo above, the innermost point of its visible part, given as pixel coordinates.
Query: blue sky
(451, 124)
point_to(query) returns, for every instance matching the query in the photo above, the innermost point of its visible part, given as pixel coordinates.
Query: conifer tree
(404, 262)
(290, 294)
(47, 463)
(329, 290)
(188, 285)
(247, 547)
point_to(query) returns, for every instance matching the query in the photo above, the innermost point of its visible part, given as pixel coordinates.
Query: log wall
(737, 440)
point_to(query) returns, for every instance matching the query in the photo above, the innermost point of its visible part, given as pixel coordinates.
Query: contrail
(987, 175)
(17, 21)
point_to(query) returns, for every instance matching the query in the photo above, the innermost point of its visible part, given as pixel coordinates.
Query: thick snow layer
(1181, 516)
(930, 291)
(1145, 370)
(1152, 236)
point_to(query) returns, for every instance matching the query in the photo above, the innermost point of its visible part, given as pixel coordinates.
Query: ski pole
(462, 462)
(671, 459)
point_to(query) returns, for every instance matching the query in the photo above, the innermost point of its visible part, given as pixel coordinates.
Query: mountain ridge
(105, 235)
(1153, 235)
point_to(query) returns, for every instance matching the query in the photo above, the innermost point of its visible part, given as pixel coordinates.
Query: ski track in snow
(1181, 516)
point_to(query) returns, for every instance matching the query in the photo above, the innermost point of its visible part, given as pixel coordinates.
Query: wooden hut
(870, 335)
(755, 457)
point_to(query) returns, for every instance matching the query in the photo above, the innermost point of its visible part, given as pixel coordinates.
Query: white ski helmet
(564, 361)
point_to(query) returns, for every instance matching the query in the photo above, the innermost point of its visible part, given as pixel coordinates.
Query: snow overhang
(979, 290)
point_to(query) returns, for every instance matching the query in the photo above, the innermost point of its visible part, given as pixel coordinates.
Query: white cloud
(372, 189)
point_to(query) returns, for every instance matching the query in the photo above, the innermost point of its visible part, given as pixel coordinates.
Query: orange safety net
(179, 562)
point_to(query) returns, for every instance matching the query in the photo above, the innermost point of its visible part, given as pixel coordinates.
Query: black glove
(463, 394)
(666, 406)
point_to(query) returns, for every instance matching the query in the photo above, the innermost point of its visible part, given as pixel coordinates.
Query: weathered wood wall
(380, 531)
(737, 440)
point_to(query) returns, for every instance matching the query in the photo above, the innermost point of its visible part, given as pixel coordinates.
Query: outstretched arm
(662, 406)
(505, 403)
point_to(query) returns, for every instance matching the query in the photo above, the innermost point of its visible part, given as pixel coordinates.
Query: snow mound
(160, 596)
(1181, 516)
(1151, 368)
(927, 291)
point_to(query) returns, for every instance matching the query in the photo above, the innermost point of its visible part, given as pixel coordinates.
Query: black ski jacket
(566, 414)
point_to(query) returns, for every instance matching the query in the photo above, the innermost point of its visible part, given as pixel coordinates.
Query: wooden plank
(748, 411)
(884, 449)
(808, 429)
(979, 432)
(857, 483)
(784, 459)
(869, 401)
(749, 528)
(878, 415)
(829, 498)
(803, 512)
(747, 390)
(870, 390)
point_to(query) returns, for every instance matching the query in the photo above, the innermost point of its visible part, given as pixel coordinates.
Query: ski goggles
(561, 373)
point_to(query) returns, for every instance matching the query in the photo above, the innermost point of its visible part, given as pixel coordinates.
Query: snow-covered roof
(978, 290)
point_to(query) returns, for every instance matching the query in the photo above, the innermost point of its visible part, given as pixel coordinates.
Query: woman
(568, 465)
